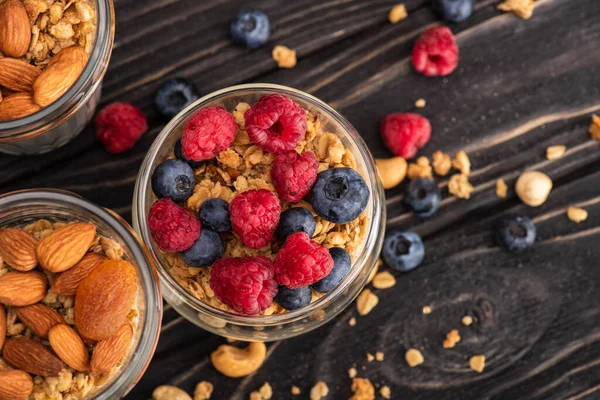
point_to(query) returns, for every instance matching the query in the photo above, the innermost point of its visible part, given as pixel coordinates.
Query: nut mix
(68, 310)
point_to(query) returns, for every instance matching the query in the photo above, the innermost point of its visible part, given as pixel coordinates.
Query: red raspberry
(207, 133)
(435, 52)
(245, 284)
(254, 217)
(275, 123)
(119, 126)
(293, 175)
(405, 133)
(173, 228)
(301, 261)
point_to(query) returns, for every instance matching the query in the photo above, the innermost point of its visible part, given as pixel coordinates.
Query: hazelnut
(533, 188)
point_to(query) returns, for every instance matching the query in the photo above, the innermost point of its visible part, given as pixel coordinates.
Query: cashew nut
(533, 188)
(235, 363)
(167, 392)
(391, 171)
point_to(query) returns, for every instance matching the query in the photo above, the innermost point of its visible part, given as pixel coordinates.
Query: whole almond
(17, 75)
(60, 74)
(108, 353)
(17, 248)
(66, 283)
(2, 326)
(22, 288)
(15, 385)
(65, 247)
(15, 31)
(31, 356)
(67, 344)
(17, 105)
(39, 318)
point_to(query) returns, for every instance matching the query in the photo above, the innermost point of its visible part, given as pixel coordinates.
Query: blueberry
(341, 266)
(250, 28)
(423, 197)
(339, 195)
(179, 155)
(214, 214)
(205, 251)
(292, 220)
(403, 250)
(173, 179)
(453, 10)
(292, 299)
(174, 95)
(515, 234)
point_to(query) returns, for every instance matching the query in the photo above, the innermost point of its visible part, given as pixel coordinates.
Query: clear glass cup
(23, 207)
(55, 125)
(274, 327)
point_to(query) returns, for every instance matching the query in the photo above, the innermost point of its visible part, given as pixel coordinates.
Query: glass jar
(292, 323)
(58, 123)
(23, 207)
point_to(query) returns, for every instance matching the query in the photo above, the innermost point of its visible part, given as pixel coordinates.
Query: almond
(60, 74)
(108, 353)
(67, 344)
(66, 283)
(65, 247)
(2, 325)
(17, 75)
(17, 248)
(104, 299)
(15, 385)
(17, 105)
(15, 31)
(39, 318)
(22, 288)
(31, 356)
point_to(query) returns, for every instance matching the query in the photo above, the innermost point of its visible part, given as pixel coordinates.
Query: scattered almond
(17, 248)
(67, 344)
(39, 318)
(384, 280)
(451, 339)
(65, 247)
(22, 288)
(108, 353)
(17, 105)
(414, 358)
(576, 214)
(441, 163)
(555, 152)
(363, 389)
(31, 356)
(501, 188)
(17, 75)
(462, 163)
(284, 56)
(467, 320)
(66, 283)
(477, 363)
(594, 129)
(459, 186)
(15, 30)
(397, 13)
(366, 302)
(2, 326)
(15, 385)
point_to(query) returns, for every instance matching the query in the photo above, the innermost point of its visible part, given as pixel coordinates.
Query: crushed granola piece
(379, 356)
(420, 103)
(576, 214)
(426, 310)
(319, 391)
(441, 163)
(295, 390)
(420, 169)
(352, 372)
(501, 188)
(462, 163)
(385, 392)
(397, 13)
(521, 8)
(594, 129)
(230, 158)
(477, 363)
(284, 56)
(203, 391)
(384, 280)
(352, 321)
(451, 339)
(459, 186)
(366, 302)
(363, 389)
(555, 152)
(414, 358)
(466, 320)
(330, 148)
(370, 357)
(111, 248)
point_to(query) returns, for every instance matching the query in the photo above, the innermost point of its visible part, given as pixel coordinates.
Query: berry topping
(405, 133)
(205, 251)
(435, 52)
(293, 299)
(453, 10)
(423, 197)
(250, 28)
(339, 195)
(173, 179)
(515, 234)
(214, 214)
(245, 284)
(207, 133)
(301, 262)
(275, 123)
(254, 216)
(173, 228)
(119, 126)
(296, 219)
(403, 251)
(293, 174)
(341, 266)
(174, 95)
(178, 151)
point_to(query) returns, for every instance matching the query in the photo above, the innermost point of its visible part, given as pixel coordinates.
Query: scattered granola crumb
(521, 8)
(352, 372)
(384, 280)
(370, 357)
(414, 358)
(284, 56)
(397, 13)
(366, 302)
(501, 188)
(203, 391)
(352, 321)
(420, 103)
(462, 163)
(266, 391)
(379, 356)
(576, 214)
(554, 152)
(441, 163)
(594, 129)
(477, 363)
(319, 391)
(385, 392)
(467, 320)
(451, 339)
(426, 310)
(363, 389)
(295, 390)
(420, 169)
(459, 186)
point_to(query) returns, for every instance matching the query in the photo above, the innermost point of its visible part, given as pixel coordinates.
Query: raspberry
(254, 216)
(293, 175)
(435, 52)
(173, 228)
(405, 133)
(207, 133)
(275, 123)
(119, 126)
(245, 284)
(301, 262)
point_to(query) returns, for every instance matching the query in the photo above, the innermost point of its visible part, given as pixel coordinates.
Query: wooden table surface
(520, 87)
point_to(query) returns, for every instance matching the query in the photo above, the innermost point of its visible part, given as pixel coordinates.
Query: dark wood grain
(520, 87)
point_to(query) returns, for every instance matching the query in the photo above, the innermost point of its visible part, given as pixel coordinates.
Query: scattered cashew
(391, 171)
(533, 188)
(235, 363)
(167, 392)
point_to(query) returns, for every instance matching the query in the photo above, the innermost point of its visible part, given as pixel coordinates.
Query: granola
(459, 186)
(521, 8)
(284, 56)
